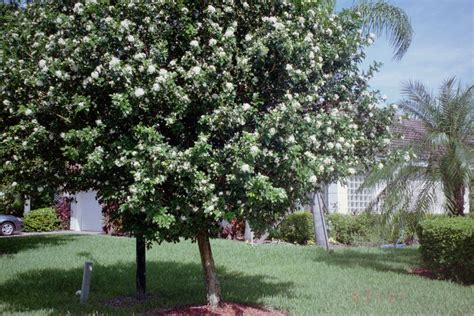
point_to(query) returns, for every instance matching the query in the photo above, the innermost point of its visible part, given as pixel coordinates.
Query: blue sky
(443, 46)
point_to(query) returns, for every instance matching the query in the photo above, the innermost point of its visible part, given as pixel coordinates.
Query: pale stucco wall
(338, 197)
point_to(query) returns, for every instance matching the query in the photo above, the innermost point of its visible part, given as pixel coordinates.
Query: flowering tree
(186, 113)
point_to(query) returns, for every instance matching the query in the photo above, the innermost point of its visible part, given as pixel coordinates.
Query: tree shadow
(170, 283)
(384, 260)
(13, 245)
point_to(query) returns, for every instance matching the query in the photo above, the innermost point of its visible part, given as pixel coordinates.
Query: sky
(442, 46)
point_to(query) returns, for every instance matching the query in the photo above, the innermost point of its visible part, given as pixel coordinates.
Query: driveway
(57, 232)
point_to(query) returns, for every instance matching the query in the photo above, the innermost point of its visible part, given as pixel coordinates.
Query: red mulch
(229, 309)
(424, 273)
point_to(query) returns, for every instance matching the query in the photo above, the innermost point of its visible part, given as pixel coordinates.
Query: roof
(412, 131)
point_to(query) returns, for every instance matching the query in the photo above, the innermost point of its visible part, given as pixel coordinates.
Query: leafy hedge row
(350, 229)
(447, 247)
(298, 228)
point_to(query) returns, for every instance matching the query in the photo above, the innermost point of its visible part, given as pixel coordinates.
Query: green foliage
(297, 228)
(41, 220)
(399, 227)
(447, 247)
(11, 203)
(352, 229)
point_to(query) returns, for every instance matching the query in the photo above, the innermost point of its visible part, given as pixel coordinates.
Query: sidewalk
(57, 232)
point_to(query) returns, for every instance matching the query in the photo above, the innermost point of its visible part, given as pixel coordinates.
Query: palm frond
(426, 197)
(382, 17)
(419, 102)
(437, 139)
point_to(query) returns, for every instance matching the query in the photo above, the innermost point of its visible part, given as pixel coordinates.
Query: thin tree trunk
(213, 288)
(141, 267)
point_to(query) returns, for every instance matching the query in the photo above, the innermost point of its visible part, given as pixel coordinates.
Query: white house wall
(338, 197)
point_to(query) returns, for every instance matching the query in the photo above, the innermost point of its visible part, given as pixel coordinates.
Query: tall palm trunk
(213, 288)
(458, 200)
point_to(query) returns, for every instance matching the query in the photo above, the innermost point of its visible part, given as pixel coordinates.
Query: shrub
(447, 247)
(233, 229)
(297, 228)
(350, 229)
(11, 203)
(63, 209)
(113, 225)
(400, 226)
(41, 220)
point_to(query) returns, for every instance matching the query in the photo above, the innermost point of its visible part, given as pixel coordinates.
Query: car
(10, 224)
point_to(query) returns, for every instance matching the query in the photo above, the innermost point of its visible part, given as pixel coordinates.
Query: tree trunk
(213, 288)
(459, 194)
(141, 267)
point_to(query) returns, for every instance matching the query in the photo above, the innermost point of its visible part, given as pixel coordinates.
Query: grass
(40, 275)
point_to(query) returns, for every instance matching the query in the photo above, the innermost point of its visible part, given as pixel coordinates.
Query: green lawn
(39, 275)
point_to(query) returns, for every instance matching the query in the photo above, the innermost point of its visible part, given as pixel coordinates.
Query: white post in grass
(320, 229)
(86, 281)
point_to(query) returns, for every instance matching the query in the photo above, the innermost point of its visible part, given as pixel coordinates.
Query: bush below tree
(296, 228)
(41, 220)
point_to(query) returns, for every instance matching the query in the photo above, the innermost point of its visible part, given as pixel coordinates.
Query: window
(358, 200)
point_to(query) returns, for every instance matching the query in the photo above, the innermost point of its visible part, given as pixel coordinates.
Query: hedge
(297, 228)
(447, 247)
(349, 229)
(41, 220)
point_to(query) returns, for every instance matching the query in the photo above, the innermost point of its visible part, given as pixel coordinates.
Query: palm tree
(445, 146)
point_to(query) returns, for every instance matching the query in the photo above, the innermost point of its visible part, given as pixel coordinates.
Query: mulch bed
(424, 273)
(229, 309)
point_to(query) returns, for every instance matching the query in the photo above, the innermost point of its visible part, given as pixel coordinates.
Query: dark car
(10, 224)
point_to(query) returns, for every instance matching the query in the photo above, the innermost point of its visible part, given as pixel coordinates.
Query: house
(345, 198)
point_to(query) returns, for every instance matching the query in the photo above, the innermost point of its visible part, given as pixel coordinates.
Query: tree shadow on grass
(13, 245)
(383, 260)
(170, 283)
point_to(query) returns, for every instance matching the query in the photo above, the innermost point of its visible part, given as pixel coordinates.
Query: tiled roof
(412, 131)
